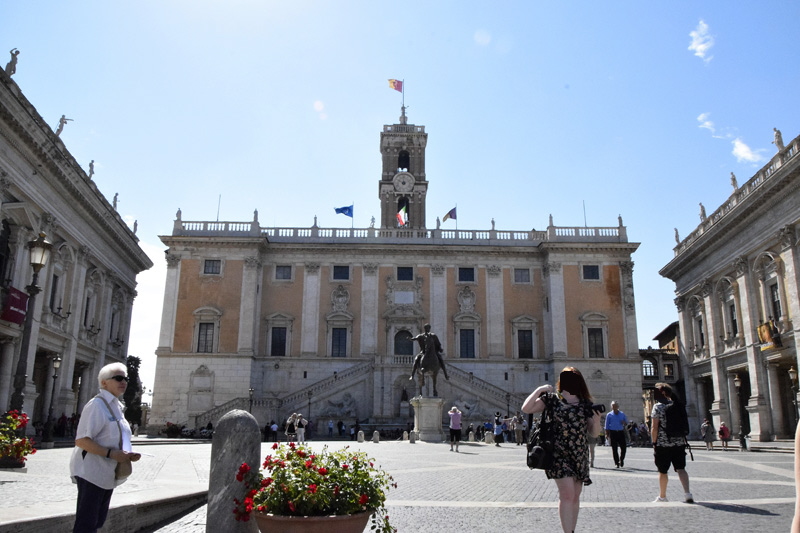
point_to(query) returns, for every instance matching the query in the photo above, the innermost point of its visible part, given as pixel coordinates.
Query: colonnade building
(738, 300)
(320, 320)
(82, 315)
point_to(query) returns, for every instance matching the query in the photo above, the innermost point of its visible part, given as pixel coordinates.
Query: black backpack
(677, 423)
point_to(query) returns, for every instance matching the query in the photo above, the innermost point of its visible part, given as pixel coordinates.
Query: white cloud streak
(705, 122)
(745, 154)
(701, 42)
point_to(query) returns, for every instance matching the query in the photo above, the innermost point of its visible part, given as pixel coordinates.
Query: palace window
(669, 370)
(591, 272)
(205, 337)
(775, 301)
(278, 341)
(405, 273)
(212, 266)
(403, 345)
(525, 343)
(734, 323)
(339, 342)
(649, 369)
(466, 344)
(466, 274)
(596, 343)
(341, 272)
(283, 272)
(522, 275)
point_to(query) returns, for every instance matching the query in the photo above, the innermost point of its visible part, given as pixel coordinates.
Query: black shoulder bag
(540, 443)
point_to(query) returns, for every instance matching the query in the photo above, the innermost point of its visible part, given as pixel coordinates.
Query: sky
(584, 110)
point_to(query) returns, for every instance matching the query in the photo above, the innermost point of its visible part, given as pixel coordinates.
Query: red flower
(345, 467)
(312, 489)
(275, 446)
(291, 506)
(309, 464)
(323, 471)
(363, 499)
(244, 469)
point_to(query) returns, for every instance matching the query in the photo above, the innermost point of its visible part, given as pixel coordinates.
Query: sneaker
(660, 500)
(688, 497)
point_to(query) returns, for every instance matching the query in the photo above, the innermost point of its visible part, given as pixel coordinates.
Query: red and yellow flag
(397, 85)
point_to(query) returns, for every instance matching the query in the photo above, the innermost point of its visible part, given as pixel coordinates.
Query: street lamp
(252, 392)
(793, 377)
(308, 413)
(742, 441)
(40, 253)
(47, 436)
(508, 404)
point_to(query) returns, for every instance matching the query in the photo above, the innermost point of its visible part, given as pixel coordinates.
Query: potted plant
(301, 490)
(13, 447)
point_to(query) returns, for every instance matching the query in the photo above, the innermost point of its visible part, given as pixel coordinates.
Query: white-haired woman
(97, 452)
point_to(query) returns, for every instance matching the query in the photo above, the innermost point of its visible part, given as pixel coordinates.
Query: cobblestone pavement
(485, 488)
(482, 488)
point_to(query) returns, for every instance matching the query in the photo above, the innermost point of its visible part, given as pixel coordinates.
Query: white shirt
(101, 426)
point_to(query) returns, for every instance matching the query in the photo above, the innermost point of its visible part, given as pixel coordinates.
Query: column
(369, 309)
(249, 306)
(775, 400)
(6, 373)
(554, 281)
(495, 311)
(629, 310)
(438, 309)
(309, 339)
(791, 280)
(734, 402)
(170, 307)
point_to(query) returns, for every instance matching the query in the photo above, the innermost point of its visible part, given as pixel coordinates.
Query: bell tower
(403, 186)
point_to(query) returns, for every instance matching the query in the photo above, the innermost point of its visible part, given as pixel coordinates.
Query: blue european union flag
(347, 211)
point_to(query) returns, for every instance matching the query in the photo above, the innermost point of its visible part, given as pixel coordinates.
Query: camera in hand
(599, 408)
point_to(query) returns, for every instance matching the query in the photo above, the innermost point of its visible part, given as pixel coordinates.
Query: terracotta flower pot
(351, 523)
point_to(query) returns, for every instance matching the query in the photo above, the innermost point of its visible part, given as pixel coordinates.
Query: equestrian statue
(429, 359)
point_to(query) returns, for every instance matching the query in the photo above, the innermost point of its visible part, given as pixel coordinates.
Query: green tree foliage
(133, 394)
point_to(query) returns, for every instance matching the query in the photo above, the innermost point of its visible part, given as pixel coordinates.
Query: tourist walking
(708, 434)
(573, 421)
(616, 425)
(669, 449)
(724, 435)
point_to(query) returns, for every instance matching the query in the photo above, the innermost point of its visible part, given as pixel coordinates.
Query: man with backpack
(670, 425)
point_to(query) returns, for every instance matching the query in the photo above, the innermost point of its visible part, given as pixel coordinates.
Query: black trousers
(92, 509)
(618, 441)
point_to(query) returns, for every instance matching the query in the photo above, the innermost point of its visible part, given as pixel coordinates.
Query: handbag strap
(115, 418)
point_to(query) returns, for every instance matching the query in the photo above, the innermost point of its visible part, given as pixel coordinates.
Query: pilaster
(309, 340)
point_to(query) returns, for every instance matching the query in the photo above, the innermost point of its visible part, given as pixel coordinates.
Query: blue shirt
(616, 422)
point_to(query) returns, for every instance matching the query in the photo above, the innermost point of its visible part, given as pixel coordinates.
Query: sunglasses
(120, 378)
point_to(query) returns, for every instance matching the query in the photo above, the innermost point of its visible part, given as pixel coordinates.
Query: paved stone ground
(482, 488)
(485, 488)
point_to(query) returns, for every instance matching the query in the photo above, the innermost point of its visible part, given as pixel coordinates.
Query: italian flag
(401, 217)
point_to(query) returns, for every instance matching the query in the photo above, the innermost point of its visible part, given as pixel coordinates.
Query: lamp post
(742, 441)
(308, 413)
(40, 253)
(508, 404)
(252, 392)
(793, 377)
(47, 435)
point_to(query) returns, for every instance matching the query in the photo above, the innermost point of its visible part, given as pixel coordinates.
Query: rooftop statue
(702, 212)
(778, 141)
(61, 123)
(11, 66)
(734, 183)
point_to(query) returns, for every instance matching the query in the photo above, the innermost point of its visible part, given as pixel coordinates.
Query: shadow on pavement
(740, 509)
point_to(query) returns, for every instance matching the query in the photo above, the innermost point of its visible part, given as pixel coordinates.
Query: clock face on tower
(403, 182)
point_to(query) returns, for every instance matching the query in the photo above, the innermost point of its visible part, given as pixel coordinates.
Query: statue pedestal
(428, 418)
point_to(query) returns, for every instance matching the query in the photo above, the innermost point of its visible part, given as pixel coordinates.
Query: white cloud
(482, 37)
(745, 154)
(705, 122)
(701, 42)
(319, 107)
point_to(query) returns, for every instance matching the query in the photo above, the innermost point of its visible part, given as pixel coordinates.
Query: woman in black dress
(574, 422)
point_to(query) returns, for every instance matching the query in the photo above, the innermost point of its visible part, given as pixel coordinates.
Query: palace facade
(320, 320)
(738, 299)
(82, 313)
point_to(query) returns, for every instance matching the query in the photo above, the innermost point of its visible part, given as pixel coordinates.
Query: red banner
(14, 306)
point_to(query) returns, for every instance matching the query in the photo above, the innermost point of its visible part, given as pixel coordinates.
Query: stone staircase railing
(488, 389)
(327, 383)
(215, 413)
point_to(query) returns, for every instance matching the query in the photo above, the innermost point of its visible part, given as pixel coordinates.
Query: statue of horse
(429, 359)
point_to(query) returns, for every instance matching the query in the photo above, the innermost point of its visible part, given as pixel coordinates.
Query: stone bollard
(405, 435)
(376, 436)
(360, 436)
(237, 440)
(488, 438)
(472, 436)
(412, 437)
